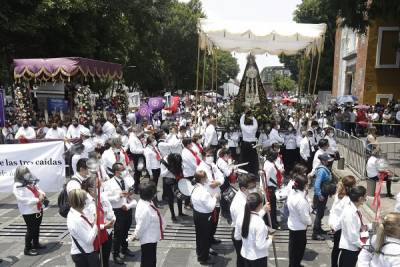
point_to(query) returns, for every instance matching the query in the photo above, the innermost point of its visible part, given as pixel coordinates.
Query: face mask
(124, 173)
(75, 124)
(253, 190)
(25, 125)
(154, 143)
(210, 159)
(331, 134)
(226, 146)
(55, 127)
(290, 129)
(116, 150)
(278, 127)
(199, 142)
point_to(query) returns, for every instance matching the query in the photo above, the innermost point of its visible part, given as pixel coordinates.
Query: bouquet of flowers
(120, 100)
(82, 102)
(23, 104)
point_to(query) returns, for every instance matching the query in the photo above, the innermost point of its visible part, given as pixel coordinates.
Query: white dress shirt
(152, 163)
(135, 145)
(74, 132)
(147, 223)
(113, 191)
(263, 140)
(390, 256)
(82, 231)
(275, 138)
(248, 131)
(233, 138)
(89, 146)
(189, 163)
(237, 206)
(316, 161)
(109, 129)
(213, 174)
(270, 173)
(224, 167)
(175, 142)
(336, 213)
(256, 245)
(90, 210)
(26, 200)
(210, 136)
(290, 141)
(55, 134)
(299, 211)
(100, 140)
(332, 149)
(202, 200)
(109, 158)
(351, 225)
(305, 145)
(28, 133)
(73, 184)
(167, 148)
(372, 169)
(74, 160)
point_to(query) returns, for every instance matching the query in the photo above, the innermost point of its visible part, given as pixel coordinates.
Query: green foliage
(283, 83)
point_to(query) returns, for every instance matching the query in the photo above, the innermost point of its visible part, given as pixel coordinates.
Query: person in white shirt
(54, 132)
(119, 191)
(182, 132)
(153, 158)
(332, 149)
(30, 199)
(307, 150)
(248, 153)
(74, 130)
(274, 136)
(341, 200)
(323, 145)
(263, 139)
(233, 137)
(150, 225)
(373, 171)
(210, 135)
(253, 232)
(108, 128)
(87, 142)
(354, 231)
(25, 132)
(82, 231)
(41, 130)
(165, 147)
(78, 153)
(108, 217)
(137, 153)
(203, 206)
(383, 249)
(99, 139)
(197, 146)
(115, 154)
(190, 159)
(299, 219)
(215, 180)
(291, 153)
(7, 131)
(81, 174)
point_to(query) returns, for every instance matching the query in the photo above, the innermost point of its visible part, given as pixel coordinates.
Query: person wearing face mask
(197, 147)
(227, 169)
(153, 158)
(78, 153)
(291, 152)
(263, 139)
(211, 136)
(54, 132)
(354, 231)
(323, 145)
(99, 139)
(247, 185)
(115, 154)
(332, 149)
(87, 142)
(299, 219)
(233, 137)
(25, 132)
(316, 136)
(108, 128)
(307, 150)
(30, 204)
(74, 130)
(79, 176)
(274, 136)
(248, 153)
(173, 140)
(215, 180)
(119, 191)
(203, 207)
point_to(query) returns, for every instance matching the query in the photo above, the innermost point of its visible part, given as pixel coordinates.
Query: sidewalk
(387, 204)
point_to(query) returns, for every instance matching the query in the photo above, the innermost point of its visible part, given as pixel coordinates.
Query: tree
(283, 83)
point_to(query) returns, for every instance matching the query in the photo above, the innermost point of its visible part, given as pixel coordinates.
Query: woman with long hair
(384, 248)
(299, 220)
(341, 200)
(171, 172)
(253, 232)
(153, 157)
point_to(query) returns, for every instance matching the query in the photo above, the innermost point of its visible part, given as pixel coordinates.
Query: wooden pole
(204, 74)
(311, 70)
(197, 73)
(319, 59)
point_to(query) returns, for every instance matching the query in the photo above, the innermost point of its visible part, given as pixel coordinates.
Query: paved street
(178, 248)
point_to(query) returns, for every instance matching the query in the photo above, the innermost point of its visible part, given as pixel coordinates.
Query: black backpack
(62, 201)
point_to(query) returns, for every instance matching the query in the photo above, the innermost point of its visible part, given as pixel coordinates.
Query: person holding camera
(31, 201)
(119, 191)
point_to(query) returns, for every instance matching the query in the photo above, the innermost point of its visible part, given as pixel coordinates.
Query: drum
(183, 189)
(140, 165)
(229, 194)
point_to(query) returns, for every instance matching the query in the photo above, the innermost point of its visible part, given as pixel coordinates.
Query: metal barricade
(391, 152)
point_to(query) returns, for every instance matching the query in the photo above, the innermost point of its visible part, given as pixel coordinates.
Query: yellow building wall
(379, 81)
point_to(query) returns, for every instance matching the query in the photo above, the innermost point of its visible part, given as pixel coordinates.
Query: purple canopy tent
(63, 68)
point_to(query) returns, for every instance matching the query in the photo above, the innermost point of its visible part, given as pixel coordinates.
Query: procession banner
(45, 161)
(2, 111)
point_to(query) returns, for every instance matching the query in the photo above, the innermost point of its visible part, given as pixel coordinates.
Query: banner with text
(44, 160)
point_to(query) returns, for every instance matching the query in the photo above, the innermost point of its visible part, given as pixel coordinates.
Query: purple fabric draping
(144, 112)
(50, 68)
(156, 104)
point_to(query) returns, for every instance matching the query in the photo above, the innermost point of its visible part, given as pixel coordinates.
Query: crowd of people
(137, 158)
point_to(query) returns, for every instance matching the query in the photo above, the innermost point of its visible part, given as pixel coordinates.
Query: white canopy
(261, 37)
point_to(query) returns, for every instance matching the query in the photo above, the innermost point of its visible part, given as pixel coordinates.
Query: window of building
(387, 52)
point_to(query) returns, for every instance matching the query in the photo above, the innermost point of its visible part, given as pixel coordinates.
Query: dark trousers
(225, 205)
(106, 250)
(169, 195)
(320, 211)
(238, 247)
(202, 224)
(155, 176)
(149, 255)
(121, 228)
(135, 158)
(214, 222)
(273, 213)
(262, 262)
(233, 153)
(348, 258)
(249, 154)
(86, 259)
(297, 247)
(335, 249)
(290, 157)
(33, 222)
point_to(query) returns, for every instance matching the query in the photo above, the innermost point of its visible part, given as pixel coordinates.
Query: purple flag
(2, 111)
(156, 104)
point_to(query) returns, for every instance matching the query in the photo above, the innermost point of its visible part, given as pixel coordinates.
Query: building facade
(368, 66)
(268, 74)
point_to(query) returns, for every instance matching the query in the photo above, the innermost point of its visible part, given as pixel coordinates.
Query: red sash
(36, 193)
(198, 160)
(377, 196)
(200, 148)
(363, 239)
(158, 156)
(279, 176)
(159, 219)
(102, 235)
